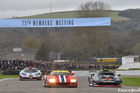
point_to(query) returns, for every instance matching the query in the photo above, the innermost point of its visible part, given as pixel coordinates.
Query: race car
(30, 73)
(60, 78)
(104, 78)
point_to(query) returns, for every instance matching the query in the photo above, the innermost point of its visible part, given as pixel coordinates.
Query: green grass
(8, 76)
(70, 14)
(131, 81)
(115, 16)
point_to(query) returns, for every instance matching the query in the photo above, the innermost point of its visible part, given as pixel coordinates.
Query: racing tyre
(73, 86)
(39, 79)
(48, 86)
(21, 79)
(120, 84)
(90, 83)
(45, 84)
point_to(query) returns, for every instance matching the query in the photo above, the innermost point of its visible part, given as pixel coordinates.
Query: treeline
(124, 35)
(130, 13)
(131, 25)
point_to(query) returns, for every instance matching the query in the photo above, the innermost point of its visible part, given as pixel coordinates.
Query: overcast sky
(18, 8)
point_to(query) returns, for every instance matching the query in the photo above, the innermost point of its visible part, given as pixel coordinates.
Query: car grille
(106, 77)
(108, 83)
(62, 83)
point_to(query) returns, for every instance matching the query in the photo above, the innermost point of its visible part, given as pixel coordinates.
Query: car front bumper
(40, 77)
(62, 84)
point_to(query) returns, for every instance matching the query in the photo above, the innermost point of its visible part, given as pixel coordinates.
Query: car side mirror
(91, 75)
(72, 73)
(119, 74)
(47, 73)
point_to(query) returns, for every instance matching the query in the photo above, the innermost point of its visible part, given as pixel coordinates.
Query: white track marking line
(6, 79)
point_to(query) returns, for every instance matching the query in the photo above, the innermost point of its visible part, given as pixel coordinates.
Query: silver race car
(104, 78)
(30, 73)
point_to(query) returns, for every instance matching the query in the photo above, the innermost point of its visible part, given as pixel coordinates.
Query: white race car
(30, 73)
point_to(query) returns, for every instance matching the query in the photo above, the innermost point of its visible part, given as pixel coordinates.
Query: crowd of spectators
(12, 65)
(20, 64)
(83, 66)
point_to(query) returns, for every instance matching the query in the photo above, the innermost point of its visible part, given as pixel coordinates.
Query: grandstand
(17, 53)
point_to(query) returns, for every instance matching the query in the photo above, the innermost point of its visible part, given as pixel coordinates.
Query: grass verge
(131, 81)
(8, 76)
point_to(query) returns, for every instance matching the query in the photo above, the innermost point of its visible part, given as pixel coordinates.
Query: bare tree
(92, 41)
(136, 49)
(96, 9)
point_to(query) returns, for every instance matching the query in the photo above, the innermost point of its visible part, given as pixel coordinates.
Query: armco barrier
(10, 73)
(127, 72)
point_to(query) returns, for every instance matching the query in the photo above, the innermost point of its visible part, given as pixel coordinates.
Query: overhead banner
(64, 22)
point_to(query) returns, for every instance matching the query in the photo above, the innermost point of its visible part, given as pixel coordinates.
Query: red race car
(60, 78)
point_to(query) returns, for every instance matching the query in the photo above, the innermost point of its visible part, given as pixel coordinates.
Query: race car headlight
(23, 74)
(52, 80)
(117, 78)
(96, 78)
(38, 74)
(73, 80)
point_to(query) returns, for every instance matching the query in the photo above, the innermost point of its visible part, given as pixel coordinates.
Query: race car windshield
(30, 70)
(60, 73)
(111, 74)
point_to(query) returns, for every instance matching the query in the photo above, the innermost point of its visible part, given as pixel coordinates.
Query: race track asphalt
(33, 86)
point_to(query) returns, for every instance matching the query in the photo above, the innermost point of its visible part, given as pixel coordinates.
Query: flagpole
(50, 7)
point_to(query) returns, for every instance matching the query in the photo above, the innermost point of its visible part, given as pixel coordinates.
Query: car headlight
(73, 80)
(23, 74)
(96, 78)
(117, 79)
(52, 80)
(38, 74)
